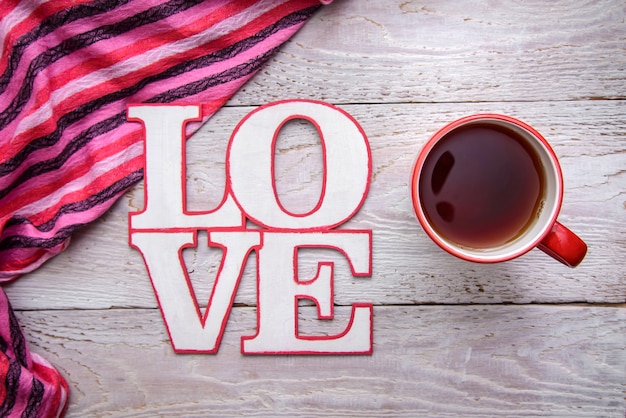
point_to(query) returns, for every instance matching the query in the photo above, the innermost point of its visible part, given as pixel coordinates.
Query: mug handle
(563, 245)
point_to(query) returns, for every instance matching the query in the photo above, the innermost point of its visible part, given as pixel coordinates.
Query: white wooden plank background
(523, 338)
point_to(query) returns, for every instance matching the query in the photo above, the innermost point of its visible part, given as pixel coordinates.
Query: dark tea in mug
(481, 185)
(488, 188)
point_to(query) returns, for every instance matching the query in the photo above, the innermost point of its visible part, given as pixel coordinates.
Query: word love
(165, 227)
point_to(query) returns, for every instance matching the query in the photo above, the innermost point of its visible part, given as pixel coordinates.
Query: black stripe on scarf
(83, 40)
(34, 399)
(107, 194)
(18, 342)
(11, 384)
(50, 24)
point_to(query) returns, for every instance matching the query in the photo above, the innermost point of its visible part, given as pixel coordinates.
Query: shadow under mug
(541, 230)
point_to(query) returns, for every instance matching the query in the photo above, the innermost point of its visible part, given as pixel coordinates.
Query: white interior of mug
(547, 210)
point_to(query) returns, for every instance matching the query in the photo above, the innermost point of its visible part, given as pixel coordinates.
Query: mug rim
(471, 254)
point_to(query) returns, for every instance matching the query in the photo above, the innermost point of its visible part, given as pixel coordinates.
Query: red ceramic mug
(488, 188)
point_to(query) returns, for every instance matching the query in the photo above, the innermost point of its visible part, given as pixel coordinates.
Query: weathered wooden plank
(99, 270)
(438, 361)
(450, 51)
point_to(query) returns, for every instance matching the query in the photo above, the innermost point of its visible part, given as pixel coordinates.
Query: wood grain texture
(451, 51)
(436, 361)
(528, 337)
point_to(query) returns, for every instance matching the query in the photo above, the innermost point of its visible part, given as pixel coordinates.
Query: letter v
(162, 252)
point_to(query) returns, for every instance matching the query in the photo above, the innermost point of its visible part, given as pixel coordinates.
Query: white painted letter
(164, 176)
(347, 163)
(280, 288)
(190, 332)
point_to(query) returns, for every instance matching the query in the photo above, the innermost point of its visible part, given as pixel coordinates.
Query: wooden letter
(280, 288)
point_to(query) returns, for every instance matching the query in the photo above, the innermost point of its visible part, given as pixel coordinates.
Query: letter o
(347, 165)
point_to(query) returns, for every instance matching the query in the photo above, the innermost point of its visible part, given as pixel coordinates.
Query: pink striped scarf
(68, 68)
(31, 386)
